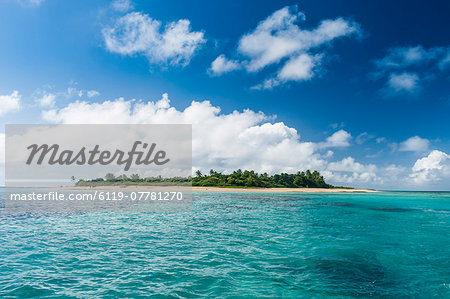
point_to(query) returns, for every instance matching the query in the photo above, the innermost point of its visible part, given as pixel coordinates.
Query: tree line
(238, 178)
(246, 178)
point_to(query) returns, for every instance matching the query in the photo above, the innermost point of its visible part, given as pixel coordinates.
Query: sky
(358, 90)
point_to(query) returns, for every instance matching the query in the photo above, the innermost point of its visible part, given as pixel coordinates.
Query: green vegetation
(247, 178)
(239, 178)
(134, 180)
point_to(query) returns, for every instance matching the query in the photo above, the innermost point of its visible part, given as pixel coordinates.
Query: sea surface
(303, 245)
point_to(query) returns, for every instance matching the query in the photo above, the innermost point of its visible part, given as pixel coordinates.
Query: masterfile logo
(95, 156)
(52, 155)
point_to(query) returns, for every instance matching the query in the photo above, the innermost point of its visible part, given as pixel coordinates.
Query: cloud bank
(248, 140)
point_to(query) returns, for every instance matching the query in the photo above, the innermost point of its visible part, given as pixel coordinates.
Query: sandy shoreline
(280, 190)
(220, 189)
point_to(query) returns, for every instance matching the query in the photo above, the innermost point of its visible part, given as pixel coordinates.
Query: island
(237, 181)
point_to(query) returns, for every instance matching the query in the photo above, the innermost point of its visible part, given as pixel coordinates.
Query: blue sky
(364, 84)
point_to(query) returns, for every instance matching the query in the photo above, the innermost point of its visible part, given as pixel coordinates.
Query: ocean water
(389, 244)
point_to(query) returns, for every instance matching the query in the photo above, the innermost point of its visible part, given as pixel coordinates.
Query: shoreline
(223, 189)
(281, 190)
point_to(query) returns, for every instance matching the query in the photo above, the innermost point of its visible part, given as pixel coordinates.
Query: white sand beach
(280, 190)
(222, 189)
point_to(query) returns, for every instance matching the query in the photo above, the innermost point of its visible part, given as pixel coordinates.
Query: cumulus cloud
(364, 179)
(253, 140)
(349, 171)
(222, 65)
(350, 165)
(407, 82)
(225, 142)
(122, 5)
(300, 68)
(9, 103)
(340, 138)
(47, 100)
(279, 36)
(415, 144)
(434, 167)
(137, 33)
(280, 40)
(404, 68)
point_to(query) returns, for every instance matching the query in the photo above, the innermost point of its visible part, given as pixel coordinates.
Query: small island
(239, 180)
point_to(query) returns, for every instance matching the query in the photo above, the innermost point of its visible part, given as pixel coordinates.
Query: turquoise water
(393, 244)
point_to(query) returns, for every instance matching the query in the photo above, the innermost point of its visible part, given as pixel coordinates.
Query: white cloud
(434, 167)
(48, 97)
(402, 57)
(92, 93)
(340, 138)
(348, 171)
(220, 140)
(9, 103)
(350, 165)
(364, 179)
(253, 140)
(407, 82)
(222, 65)
(329, 154)
(138, 33)
(395, 170)
(122, 5)
(246, 140)
(404, 67)
(47, 100)
(299, 68)
(415, 144)
(279, 38)
(108, 112)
